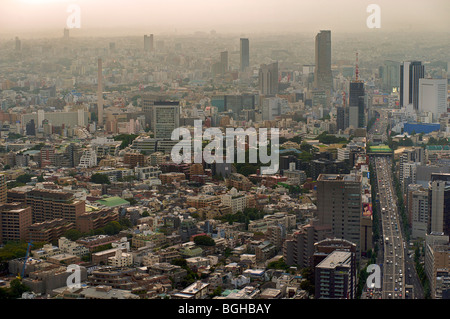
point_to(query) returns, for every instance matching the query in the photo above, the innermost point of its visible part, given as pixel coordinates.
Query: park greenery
(99, 178)
(126, 139)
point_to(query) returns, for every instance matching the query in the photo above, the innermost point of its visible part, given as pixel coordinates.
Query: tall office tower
(18, 44)
(166, 118)
(224, 62)
(245, 54)
(410, 73)
(334, 277)
(339, 204)
(433, 97)
(342, 118)
(100, 93)
(148, 43)
(268, 79)
(390, 76)
(418, 204)
(439, 192)
(15, 218)
(356, 104)
(323, 78)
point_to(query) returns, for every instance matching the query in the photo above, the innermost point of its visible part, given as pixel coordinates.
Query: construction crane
(22, 274)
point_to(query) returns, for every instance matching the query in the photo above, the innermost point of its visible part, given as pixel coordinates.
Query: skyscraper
(439, 190)
(166, 118)
(410, 73)
(100, 93)
(148, 43)
(268, 79)
(224, 62)
(339, 205)
(322, 72)
(245, 54)
(433, 96)
(390, 75)
(356, 103)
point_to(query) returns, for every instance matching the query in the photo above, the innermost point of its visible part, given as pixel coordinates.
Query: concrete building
(418, 207)
(322, 72)
(439, 201)
(236, 200)
(334, 277)
(437, 263)
(244, 54)
(166, 118)
(15, 219)
(49, 204)
(120, 259)
(69, 247)
(433, 97)
(298, 248)
(410, 73)
(339, 204)
(268, 79)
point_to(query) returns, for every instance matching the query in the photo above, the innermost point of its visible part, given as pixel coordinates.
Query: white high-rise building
(166, 118)
(433, 96)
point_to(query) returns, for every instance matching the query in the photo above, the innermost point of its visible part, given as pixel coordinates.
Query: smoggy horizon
(30, 18)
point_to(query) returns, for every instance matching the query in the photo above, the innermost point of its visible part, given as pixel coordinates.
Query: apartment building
(437, 263)
(334, 277)
(15, 219)
(48, 204)
(96, 219)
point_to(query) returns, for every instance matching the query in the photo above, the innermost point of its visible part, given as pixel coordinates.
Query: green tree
(99, 178)
(204, 241)
(278, 264)
(73, 234)
(25, 178)
(17, 288)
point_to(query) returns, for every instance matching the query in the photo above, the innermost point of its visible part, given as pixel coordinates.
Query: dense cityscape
(94, 204)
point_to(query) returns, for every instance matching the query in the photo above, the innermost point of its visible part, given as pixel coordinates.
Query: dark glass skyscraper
(356, 103)
(245, 54)
(322, 72)
(410, 73)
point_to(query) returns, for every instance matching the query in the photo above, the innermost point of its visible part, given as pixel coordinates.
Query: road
(399, 277)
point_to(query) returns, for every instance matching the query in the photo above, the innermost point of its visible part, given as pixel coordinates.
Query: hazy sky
(235, 16)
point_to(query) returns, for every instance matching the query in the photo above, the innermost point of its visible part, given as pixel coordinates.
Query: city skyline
(47, 17)
(135, 143)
